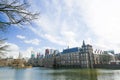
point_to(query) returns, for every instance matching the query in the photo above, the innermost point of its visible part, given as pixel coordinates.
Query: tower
(83, 45)
(86, 55)
(32, 55)
(20, 56)
(90, 56)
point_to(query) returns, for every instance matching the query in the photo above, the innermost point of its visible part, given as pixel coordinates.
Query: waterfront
(37, 73)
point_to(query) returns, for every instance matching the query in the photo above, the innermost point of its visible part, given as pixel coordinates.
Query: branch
(16, 12)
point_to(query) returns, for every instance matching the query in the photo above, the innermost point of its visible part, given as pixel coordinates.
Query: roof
(69, 50)
(110, 54)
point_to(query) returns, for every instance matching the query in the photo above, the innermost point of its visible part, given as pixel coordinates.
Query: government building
(81, 57)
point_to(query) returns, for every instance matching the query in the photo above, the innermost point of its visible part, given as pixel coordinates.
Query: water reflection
(19, 73)
(58, 74)
(109, 74)
(74, 74)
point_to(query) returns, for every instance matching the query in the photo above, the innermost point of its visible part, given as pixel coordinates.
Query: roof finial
(68, 47)
(83, 43)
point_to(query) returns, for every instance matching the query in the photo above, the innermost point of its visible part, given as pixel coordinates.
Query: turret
(83, 45)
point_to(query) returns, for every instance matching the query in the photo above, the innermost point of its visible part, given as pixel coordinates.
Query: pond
(37, 73)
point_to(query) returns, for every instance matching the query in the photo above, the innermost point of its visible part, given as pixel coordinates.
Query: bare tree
(15, 12)
(3, 47)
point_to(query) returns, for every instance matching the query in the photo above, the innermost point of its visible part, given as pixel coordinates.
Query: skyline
(67, 23)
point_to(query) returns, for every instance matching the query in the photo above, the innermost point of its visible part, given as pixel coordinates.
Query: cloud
(104, 20)
(27, 52)
(13, 50)
(20, 37)
(32, 41)
(69, 22)
(62, 28)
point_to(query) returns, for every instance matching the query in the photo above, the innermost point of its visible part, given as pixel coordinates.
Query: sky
(64, 23)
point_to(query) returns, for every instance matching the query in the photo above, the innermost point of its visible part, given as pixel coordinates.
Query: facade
(86, 56)
(69, 57)
(36, 61)
(6, 62)
(81, 57)
(104, 57)
(50, 59)
(97, 56)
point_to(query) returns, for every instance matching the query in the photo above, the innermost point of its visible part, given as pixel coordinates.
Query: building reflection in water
(75, 74)
(58, 74)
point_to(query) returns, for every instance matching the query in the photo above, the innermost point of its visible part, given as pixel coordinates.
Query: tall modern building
(20, 56)
(32, 55)
(47, 51)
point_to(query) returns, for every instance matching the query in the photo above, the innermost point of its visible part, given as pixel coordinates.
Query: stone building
(103, 57)
(50, 58)
(69, 57)
(81, 57)
(5, 62)
(38, 61)
(76, 57)
(86, 56)
(49, 61)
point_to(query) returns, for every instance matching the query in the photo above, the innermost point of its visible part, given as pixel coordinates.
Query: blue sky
(65, 23)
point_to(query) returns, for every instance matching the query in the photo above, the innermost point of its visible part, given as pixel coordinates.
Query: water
(7, 73)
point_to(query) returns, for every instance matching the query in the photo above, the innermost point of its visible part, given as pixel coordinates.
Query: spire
(83, 44)
(68, 47)
(20, 56)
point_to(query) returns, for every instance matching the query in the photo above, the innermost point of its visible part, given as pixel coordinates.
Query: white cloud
(32, 41)
(13, 50)
(103, 18)
(69, 22)
(20, 36)
(54, 39)
(27, 52)
(62, 27)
